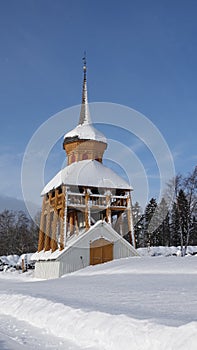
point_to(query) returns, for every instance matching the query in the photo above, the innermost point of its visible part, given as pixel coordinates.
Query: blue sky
(140, 54)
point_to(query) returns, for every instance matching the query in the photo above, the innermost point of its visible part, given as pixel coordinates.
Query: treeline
(18, 233)
(169, 223)
(172, 222)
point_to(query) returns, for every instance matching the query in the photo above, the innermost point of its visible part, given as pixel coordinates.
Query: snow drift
(98, 329)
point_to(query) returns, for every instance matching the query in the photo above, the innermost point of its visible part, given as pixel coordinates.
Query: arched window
(73, 158)
(85, 156)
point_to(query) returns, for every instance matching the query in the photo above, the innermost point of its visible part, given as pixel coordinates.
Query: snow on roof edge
(88, 173)
(48, 255)
(86, 131)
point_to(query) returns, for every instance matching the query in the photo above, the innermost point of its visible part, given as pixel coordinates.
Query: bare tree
(18, 233)
(190, 189)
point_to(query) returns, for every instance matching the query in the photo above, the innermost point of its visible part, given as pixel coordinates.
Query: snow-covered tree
(138, 222)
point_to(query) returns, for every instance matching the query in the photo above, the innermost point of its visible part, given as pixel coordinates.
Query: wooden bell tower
(70, 204)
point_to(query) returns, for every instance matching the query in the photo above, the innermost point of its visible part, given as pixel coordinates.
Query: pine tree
(183, 215)
(150, 224)
(137, 212)
(174, 226)
(193, 231)
(184, 220)
(139, 233)
(163, 230)
(138, 225)
(190, 189)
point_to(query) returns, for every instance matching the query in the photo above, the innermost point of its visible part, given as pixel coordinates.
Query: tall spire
(84, 113)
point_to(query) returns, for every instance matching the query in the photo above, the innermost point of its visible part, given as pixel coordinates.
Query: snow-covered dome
(88, 173)
(84, 132)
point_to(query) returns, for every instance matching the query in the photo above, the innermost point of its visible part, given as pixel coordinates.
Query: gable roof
(73, 241)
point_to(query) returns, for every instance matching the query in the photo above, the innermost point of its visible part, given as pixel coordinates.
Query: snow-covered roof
(88, 173)
(85, 131)
(49, 255)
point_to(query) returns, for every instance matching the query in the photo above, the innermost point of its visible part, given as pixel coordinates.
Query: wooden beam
(108, 210)
(65, 208)
(62, 229)
(71, 223)
(120, 223)
(63, 219)
(54, 230)
(47, 233)
(87, 211)
(76, 222)
(54, 223)
(42, 227)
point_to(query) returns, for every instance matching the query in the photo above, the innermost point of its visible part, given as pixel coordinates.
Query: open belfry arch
(82, 195)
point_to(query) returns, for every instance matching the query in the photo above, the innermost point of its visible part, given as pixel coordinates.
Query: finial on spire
(84, 62)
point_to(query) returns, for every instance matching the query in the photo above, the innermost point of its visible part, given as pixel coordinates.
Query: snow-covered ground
(134, 303)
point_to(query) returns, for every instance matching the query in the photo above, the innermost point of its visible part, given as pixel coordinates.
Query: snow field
(20, 335)
(97, 329)
(146, 303)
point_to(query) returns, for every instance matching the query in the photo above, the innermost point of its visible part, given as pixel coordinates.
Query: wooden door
(101, 251)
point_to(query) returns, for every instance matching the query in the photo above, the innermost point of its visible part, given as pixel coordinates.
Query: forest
(18, 233)
(174, 224)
